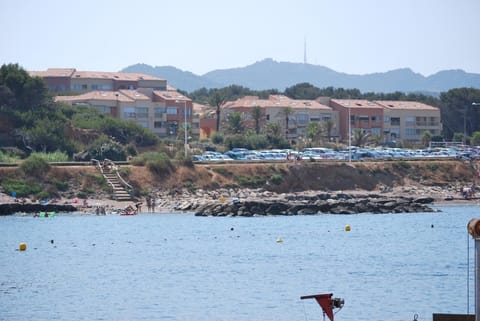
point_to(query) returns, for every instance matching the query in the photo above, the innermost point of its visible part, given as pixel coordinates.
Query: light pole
(349, 136)
(185, 126)
(465, 122)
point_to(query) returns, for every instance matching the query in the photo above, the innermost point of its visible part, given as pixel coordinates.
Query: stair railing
(107, 163)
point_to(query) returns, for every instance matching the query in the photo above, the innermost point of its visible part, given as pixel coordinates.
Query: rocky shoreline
(255, 202)
(323, 203)
(12, 208)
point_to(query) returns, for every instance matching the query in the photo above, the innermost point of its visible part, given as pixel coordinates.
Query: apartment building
(61, 80)
(358, 113)
(408, 120)
(277, 108)
(163, 112)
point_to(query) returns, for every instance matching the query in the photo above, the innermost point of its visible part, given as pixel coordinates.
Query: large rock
(12, 208)
(320, 204)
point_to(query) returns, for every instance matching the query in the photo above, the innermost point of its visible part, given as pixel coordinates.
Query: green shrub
(104, 147)
(44, 195)
(217, 138)
(8, 158)
(60, 185)
(432, 166)
(52, 157)
(21, 188)
(276, 179)
(82, 195)
(35, 165)
(250, 181)
(157, 163)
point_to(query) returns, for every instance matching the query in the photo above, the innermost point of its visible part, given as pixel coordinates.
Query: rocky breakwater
(12, 208)
(317, 204)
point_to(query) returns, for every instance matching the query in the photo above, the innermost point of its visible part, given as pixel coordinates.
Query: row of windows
(79, 87)
(410, 132)
(171, 125)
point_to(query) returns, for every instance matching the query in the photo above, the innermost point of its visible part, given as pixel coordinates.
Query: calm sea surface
(182, 267)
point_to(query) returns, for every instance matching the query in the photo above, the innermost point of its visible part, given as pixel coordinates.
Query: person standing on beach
(148, 200)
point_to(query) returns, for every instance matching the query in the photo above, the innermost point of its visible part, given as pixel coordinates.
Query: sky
(351, 36)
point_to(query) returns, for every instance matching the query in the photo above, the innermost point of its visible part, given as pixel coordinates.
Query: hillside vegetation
(86, 181)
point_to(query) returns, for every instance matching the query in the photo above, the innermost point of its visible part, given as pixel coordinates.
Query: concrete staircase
(121, 189)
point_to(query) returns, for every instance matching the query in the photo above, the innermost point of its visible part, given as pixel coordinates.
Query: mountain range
(270, 74)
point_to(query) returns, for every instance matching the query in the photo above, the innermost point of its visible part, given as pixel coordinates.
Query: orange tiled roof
(125, 76)
(96, 95)
(275, 101)
(171, 95)
(73, 73)
(134, 95)
(356, 103)
(398, 105)
(53, 72)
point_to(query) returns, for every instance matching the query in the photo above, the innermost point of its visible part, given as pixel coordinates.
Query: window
(267, 117)
(159, 112)
(376, 130)
(410, 132)
(395, 121)
(106, 87)
(363, 119)
(409, 121)
(141, 112)
(171, 110)
(129, 112)
(326, 117)
(94, 86)
(302, 119)
(375, 118)
(386, 119)
(158, 124)
(395, 132)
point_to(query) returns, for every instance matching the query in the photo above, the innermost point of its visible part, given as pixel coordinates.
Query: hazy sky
(352, 36)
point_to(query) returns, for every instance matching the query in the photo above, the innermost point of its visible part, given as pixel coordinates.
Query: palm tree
(359, 137)
(314, 131)
(329, 125)
(272, 129)
(257, 114)
(217, 100)
(235, 123)
(426, 138)
(287, 111)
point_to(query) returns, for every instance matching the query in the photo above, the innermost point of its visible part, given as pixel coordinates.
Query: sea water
(181, 267)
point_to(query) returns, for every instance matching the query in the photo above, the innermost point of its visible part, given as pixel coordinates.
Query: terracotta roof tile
(398, 105)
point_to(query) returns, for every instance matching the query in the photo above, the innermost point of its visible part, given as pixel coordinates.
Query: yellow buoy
(347, 228)
(22, 246)
(279, 240)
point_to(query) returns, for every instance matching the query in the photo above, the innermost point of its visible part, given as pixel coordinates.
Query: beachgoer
(148, 200)
(138, 207)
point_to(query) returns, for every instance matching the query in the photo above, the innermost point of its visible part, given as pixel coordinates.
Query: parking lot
(346, 154)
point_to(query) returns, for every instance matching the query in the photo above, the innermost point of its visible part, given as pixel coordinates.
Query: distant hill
(270, 74)
(184, 80)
